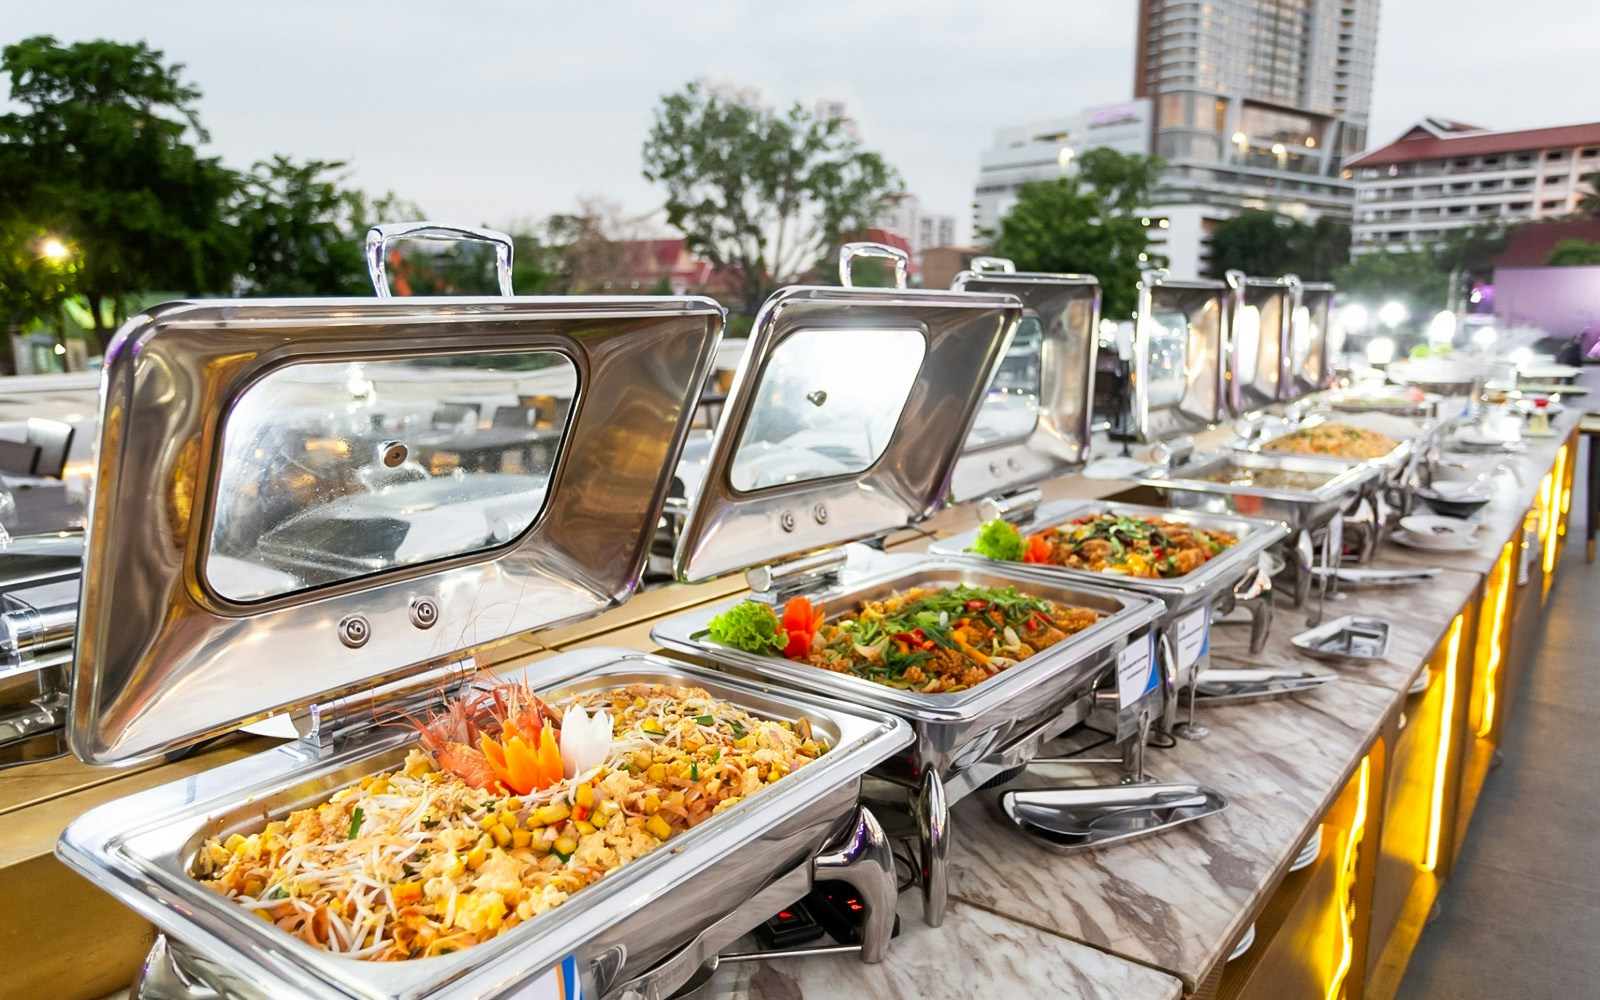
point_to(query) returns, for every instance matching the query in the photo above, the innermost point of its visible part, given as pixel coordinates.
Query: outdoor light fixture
(1064, 158)
(1380, 350)
(1485, 336)
(1442, 328)
(1520, 356)
(53, 249)
(1441, 763)
(1392, 313)
(1354, 317)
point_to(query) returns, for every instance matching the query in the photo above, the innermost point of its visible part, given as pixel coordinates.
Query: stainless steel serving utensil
(1077, 819)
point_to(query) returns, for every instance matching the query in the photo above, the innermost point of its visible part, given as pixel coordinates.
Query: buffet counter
(1390, 777)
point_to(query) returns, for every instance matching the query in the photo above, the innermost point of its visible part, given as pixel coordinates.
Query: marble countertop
(974, 953)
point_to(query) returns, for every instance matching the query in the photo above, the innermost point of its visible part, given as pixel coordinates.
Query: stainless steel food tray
(966, 737)
(139, 849)
(1193, 594)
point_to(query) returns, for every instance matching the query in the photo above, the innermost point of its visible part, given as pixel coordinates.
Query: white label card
(1194, 637)
(1134, 674)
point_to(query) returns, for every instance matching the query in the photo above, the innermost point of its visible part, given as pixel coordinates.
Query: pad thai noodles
(507, 808)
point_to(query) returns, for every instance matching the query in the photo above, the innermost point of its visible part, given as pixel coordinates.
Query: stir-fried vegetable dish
(452, 850)
(928, 640)
(1336, 440)
(1139, 545)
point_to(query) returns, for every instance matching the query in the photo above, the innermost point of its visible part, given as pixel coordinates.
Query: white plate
(1436, 526)
(1410, 541)
(1244, 943)
(1421, 683)
(1308, 853)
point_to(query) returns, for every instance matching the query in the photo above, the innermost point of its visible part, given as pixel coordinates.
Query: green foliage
(302, 231)
(998, 540)
(103, 153)
(1574, 253)
(33, 285)
(760, 195)
(1268, 245)
(1414, 278)
(1589, 201)
(1059, 226)
(751, 627)
(1121, 183)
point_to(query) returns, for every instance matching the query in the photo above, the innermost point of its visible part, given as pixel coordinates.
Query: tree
(1574, 253)
(103, 153)
(1589, 201)
(302, 231)
(1268, 245)
(1320, 249)
(1121, 183)
(1057, 226)
(1255, 242)
(760, 195)
(1415, 278)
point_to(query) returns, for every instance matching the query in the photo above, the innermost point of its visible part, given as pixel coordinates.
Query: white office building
(1442, 175)
(1044, 150)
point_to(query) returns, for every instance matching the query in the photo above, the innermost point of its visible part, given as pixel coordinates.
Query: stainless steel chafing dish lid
(1310, 345)
(296, 500)
(843, 422)
(1258, 343)
(1034, 421)
(1179, 334)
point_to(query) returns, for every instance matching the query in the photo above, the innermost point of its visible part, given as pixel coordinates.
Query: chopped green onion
(355, 822)
(705, 720)
(694, 770)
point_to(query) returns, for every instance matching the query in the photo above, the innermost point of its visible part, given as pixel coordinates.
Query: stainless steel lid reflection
(296, 500)
(1034, 421)
(1179, 334)
(844, 421)
(1312, 344)
(1258, 340)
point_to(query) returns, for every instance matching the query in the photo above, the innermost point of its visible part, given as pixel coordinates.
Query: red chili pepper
(977, 605)
(579, 813)
(907, 638)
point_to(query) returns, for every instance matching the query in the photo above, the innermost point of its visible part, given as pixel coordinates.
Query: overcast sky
(501, 111)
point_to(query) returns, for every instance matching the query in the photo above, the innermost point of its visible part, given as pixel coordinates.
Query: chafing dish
(1179, 337)
(909, 372)
(1258, 343)
(185, 634)
(1312, 508)
(1184, 627)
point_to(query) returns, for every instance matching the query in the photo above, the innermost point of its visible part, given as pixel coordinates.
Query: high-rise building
(1441, 175)
(1258, 103)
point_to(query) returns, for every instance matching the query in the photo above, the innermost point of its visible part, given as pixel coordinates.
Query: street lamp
(1281, 152)
(1064, 159)
(51, 248)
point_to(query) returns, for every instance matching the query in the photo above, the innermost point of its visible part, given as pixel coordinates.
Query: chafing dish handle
(379, 237)
(850, 251)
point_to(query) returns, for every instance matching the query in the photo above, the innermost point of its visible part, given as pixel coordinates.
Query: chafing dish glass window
(1011, 408)
(1302, 333)
(827, 405)
(1169, 351)
(337, 470)
(1247, 340)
